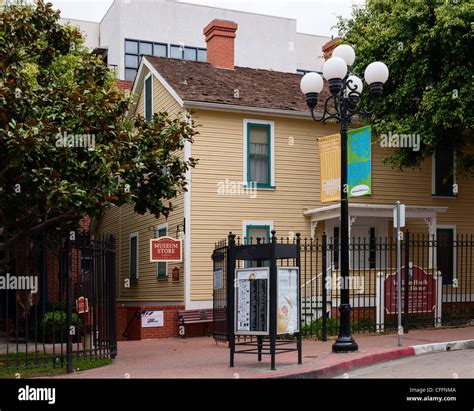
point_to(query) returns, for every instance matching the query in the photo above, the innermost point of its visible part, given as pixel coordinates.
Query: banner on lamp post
(359, 163)
(330, 167)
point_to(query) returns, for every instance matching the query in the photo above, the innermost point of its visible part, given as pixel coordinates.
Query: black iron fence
(57, 303)
(437, 287)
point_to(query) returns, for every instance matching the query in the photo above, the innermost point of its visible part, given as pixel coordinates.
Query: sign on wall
(252, 301)
(166, 249)
(152, 319)
(359, 166)
(287, 297)
(421, 291)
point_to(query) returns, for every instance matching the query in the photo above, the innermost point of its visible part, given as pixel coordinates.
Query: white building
(173, 29)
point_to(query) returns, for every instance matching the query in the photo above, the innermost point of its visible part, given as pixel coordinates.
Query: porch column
(432, 225)
(314, 226)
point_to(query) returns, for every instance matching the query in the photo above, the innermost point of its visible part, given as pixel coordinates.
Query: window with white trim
(445, 253)
(259, 153)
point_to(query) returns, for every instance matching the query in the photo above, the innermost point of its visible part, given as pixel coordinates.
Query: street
(454, 364)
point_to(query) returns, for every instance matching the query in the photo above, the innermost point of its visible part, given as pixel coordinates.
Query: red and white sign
(421, 291)
(166, 249)
(82, 305)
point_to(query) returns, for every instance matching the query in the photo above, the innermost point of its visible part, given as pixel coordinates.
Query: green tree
(51, 87)
(428, 48)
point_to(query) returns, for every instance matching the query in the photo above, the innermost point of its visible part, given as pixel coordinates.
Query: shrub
(54, 326)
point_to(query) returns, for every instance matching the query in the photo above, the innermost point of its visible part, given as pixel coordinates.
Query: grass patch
(45, 365)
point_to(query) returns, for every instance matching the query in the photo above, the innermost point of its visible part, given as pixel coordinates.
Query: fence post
(298, 264)
(112, 297)
(324, 331)
(380, 303)
(230, 295)
(439, 298)
(407, 278)
(69, 306)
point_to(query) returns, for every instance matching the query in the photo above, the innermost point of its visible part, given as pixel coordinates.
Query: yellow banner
(330, 167)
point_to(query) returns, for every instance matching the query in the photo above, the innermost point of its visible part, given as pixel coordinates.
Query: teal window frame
(148, 98)
(254, 241)
(162, 267)
(270, 159)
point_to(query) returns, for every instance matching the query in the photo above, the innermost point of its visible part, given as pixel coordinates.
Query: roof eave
(204, 105)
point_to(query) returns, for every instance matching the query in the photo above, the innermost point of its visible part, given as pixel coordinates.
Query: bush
(315, 328)
(54, 326)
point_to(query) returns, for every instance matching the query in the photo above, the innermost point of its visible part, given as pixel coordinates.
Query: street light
(345, 98)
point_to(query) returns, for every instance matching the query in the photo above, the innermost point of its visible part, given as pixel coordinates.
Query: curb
(444, 346)
(371, 359)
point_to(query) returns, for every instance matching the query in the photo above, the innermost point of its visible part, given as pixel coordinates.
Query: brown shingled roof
(198, 81)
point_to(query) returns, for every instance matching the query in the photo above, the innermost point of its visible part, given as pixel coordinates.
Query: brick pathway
(201, 357)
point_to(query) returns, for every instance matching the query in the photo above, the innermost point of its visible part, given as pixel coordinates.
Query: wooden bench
(185, 317)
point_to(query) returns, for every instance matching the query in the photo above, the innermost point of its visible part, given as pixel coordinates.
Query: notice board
(252, 286)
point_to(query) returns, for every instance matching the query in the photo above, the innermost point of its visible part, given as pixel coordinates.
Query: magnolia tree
(67, 147)
(429, 96)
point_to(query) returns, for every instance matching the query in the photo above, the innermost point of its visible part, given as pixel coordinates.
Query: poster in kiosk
(252, 301)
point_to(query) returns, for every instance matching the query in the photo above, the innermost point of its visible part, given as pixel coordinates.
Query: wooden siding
(123, 221)
(219, 149)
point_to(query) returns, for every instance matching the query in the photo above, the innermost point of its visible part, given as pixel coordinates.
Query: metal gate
(57, 303)
(439, 273)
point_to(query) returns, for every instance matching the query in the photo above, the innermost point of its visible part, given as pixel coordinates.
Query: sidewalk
(201, 358)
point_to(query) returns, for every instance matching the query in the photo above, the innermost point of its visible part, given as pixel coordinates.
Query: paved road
(447, 364)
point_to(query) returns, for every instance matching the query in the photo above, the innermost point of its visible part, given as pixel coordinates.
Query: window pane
(257, 232)
(202, 55)
(159, 50)
(162, 267)
(258, 155)
(146, 48)
(148, 96)
(133, 257)
(444, 163)
(254, 232)
(131, 61)
(190, 53)
(176, 52)
(445, 253)
(130, 74)
(131, 47)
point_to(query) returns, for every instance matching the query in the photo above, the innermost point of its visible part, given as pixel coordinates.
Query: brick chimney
(330, 46)
(220, 35)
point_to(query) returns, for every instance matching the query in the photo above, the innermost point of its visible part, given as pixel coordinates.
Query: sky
(313, 16)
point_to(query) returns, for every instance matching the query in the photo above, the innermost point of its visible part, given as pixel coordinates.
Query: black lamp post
(345, 98)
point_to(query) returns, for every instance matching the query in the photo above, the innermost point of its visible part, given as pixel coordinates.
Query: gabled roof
(194, 81)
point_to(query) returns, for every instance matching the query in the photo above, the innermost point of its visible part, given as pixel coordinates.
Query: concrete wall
(309, 55)
(89, 29)
(262, 41)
